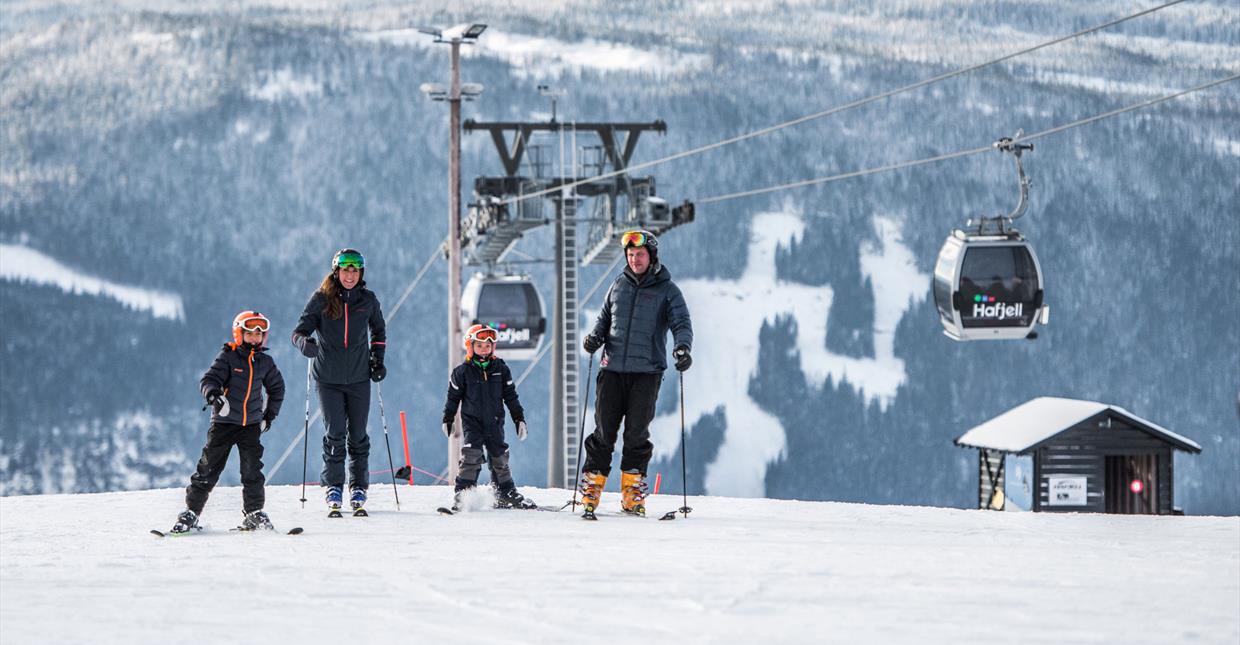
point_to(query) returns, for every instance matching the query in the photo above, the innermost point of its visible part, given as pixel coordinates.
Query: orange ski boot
(591, 489)
(633, 487)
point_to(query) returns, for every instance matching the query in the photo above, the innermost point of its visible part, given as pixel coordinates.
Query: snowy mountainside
(82, 568)
(201, 158)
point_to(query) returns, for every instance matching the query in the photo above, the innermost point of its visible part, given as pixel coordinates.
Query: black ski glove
(219, 404)
(592, 343)
(309, 348)
(447, 426)
(268, 419)
(377, 371)
(683, 360)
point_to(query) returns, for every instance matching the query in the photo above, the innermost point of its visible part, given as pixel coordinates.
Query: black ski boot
(457, 502)
(357, 500)
(256, 521)
(187, 521)
(510, 498)
(332, 497)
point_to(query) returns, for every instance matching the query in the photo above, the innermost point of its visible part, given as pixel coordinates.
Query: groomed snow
(82, 569)
(543, 56)
(24, 264)
(755, 437)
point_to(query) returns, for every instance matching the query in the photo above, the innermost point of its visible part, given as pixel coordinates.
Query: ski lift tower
(507, 206)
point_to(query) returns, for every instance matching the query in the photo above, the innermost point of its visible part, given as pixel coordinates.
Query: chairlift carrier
(512, 306)
(987, 281)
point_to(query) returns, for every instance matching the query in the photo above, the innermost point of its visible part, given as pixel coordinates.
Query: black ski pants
(220, 440)
(345, 410)
(627, 396)
(472, 458)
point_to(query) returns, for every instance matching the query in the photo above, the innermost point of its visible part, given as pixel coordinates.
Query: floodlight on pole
(435, 91)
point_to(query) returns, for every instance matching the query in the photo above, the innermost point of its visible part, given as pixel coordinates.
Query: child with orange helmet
(233, 387)
(481, 387)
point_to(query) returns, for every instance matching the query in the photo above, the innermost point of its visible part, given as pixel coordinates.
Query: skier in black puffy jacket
(352, 339)
(233, 387)
(641, 306)
(481, 387)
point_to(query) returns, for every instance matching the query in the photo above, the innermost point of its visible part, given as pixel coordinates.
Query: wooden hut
(1087, 457)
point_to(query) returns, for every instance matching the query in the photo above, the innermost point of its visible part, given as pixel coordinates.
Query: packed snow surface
(755, 437)
(24, 264)
(82, 568)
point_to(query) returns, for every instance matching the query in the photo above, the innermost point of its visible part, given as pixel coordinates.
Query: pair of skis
(357, 512)
(293, 531)
(592, 515)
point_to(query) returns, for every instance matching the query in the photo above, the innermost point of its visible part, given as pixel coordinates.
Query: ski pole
(305, 432)
(582, 433)
(391, 468)
(684, 477)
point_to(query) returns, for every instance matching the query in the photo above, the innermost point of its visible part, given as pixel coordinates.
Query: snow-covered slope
(82, 568)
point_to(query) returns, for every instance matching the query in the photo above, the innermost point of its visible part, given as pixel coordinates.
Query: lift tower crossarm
(605, 131)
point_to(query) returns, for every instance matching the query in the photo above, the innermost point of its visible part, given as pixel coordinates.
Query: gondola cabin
(512, 306)
(988, 287)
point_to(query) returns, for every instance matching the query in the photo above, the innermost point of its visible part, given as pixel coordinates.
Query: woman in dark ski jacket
(349, 350)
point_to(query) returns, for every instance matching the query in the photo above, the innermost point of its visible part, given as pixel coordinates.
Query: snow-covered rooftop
(1035, 421)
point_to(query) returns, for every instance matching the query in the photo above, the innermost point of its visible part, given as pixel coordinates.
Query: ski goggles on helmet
(252, 321)
(634, 238)
(349, 260)
(485, 334)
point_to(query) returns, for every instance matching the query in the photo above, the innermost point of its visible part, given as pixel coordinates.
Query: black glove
(683, 360)
(267, 421)
(447, 426)
(215, 399)
(377, 371)
(219, 404)
(592, 343)
(309, 348)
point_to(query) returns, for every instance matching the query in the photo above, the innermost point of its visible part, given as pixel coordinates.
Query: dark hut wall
(1082, 451)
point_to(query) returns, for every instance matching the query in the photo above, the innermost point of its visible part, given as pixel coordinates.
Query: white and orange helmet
(479, 332)
(249, 321)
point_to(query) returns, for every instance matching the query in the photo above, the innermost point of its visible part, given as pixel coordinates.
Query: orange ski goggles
(481, 333)
(256, 322)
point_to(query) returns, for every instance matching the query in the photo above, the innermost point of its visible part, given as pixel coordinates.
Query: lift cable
(835, 110)
(608, 273)
(962, 153)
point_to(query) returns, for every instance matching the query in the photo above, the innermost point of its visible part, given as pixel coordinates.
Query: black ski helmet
(641, 237)
(350, 258)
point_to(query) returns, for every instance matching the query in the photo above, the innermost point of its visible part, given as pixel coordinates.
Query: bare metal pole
(454, 244)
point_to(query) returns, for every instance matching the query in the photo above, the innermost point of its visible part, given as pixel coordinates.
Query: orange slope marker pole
(404, 433)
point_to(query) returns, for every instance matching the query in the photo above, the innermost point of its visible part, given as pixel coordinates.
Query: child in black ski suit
(481, 386)
(232, 388)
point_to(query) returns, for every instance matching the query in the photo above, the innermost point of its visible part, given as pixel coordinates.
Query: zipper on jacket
(245, 405)
(624, 363)
(346, 324)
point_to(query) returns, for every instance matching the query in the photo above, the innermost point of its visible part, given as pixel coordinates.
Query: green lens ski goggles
(351, 260)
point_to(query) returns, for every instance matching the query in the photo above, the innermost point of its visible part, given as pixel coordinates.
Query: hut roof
(1037, 420)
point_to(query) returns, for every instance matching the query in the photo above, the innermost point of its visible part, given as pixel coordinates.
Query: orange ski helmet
(249, 321)
(479, 332)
